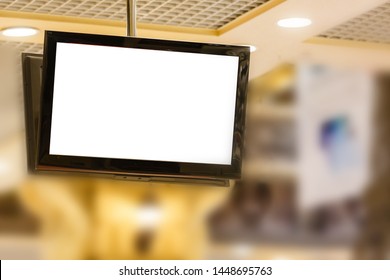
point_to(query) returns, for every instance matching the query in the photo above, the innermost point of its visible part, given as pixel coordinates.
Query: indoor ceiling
(372, 26)
(210, 14)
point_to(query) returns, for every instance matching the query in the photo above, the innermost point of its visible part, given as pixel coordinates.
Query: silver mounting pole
(131, 18)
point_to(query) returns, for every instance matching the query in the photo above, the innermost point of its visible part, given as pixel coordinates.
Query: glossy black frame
(123, 167)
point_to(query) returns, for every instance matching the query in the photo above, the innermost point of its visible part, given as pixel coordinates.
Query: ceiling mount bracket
(131, 18)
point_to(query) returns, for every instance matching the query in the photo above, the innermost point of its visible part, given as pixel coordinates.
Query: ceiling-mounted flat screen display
(122, 105)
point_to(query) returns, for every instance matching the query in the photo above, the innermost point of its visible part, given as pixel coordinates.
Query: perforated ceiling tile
(211, 14)
(22, 47)
(372, 26)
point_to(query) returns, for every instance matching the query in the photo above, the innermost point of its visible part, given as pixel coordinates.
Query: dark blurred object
(336, 222)
(255, 210)
(374, 242)
(144, 240)
(14, 219)
(282, 97)
(271, 139)
(252, 201)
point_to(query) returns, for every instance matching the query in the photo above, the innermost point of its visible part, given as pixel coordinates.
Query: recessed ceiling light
(294, 22)
(252, 48)
(19, 31)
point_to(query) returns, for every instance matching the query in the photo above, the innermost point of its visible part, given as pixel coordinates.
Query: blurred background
(316, 171)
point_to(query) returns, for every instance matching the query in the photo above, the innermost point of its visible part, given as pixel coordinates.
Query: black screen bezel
(48, 162)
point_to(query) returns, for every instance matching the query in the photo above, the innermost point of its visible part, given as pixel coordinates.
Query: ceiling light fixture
(295, 22)
(19, 31)
(252, 48)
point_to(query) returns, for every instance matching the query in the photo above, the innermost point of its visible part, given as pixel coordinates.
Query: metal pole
(131, 17)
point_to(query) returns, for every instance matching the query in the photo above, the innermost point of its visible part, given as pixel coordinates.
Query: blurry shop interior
(316, 168)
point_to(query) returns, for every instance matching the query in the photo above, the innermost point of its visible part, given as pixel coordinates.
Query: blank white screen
(113, 102)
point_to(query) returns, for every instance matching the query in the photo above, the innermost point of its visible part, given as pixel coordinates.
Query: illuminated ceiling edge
(347, 43)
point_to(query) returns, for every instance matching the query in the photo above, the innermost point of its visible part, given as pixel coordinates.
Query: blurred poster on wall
(334, 120)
